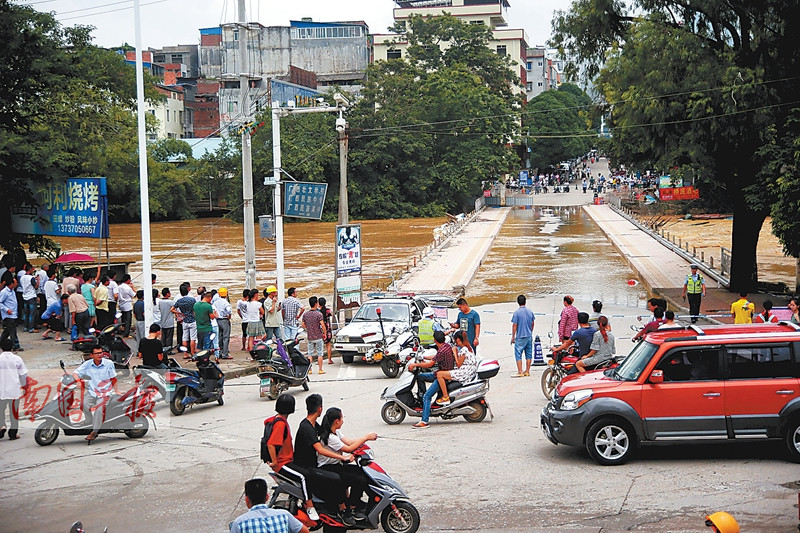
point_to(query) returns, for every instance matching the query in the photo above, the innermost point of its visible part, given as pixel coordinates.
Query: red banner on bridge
(678, 193)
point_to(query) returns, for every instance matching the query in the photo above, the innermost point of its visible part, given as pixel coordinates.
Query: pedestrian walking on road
(569, 319)
(694, 288)
(522, 336)
(10, 312)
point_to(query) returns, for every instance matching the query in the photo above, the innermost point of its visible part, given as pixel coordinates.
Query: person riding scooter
(445, 360)
(102, 382)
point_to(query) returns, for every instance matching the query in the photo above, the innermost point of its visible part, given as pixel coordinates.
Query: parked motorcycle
(128, 413)
(282, 367)
(114, 346)
(188, 387)
(387, 504)
(403, 349)
(467, 399)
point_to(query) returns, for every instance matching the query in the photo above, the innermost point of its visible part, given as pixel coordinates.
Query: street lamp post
(278, 112)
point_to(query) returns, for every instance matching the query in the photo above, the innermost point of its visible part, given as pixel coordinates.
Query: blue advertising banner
(304, 199)
(524, 178)
(75, 207)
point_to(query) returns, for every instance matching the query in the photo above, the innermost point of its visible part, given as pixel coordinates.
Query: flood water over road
(539, 251)
(554, 250)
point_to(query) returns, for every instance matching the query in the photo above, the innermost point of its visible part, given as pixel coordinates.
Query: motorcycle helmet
(722, 522)
(284, 405)
(427, 312)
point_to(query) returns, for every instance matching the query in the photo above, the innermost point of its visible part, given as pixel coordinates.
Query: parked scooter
(387, 504)
(128, 413)
(188, 387)
(114, 346)
(280, 367)
(467, 399)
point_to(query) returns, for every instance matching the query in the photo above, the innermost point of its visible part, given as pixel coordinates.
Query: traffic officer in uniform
(695, 289)
(426, 326)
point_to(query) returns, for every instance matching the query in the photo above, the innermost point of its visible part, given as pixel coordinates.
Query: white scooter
(467, 399)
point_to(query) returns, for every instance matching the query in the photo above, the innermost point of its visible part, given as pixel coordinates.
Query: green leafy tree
(697, 84)
(559, 125)
(66, 107)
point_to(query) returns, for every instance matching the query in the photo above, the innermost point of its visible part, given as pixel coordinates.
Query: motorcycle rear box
(488, 369)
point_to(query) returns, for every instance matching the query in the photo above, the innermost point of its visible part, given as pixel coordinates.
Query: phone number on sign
(76, 228)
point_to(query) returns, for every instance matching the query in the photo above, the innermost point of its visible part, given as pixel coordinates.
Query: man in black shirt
(306, 448)
(150, 349)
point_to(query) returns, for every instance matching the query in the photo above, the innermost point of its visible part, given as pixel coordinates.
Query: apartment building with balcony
(491, 13)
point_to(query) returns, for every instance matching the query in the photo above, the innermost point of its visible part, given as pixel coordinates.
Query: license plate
(363, 349)
(170, 387)
(264, 388)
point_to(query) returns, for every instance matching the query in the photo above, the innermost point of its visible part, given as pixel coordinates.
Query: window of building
(501, 49)
(177, 58)
(394, 54)
(235, 35)
(167, 116)
(232, 106)
(540, 63)
(528, 65)
(529, 86)
(540, 84)
(331, 32)
(476, 22)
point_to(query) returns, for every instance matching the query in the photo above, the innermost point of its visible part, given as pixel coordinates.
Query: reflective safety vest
(425, 331)
(694, 286)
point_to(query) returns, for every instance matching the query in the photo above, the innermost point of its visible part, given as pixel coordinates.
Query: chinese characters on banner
(304, 199)
(348, 266)
(75, 207)
(678, 193)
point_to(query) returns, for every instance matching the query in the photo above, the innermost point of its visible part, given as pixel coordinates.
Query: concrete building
(170, 114)
(294, 61)
(544, 71)
(183, 58)
(492, 13)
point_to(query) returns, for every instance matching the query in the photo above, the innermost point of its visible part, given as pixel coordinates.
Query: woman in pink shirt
(569, 319)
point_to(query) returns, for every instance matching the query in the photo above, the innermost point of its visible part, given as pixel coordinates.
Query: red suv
(725, 382)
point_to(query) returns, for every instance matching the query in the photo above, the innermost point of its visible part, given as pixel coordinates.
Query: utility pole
(277, 206)
(247, 163)
(341, 128)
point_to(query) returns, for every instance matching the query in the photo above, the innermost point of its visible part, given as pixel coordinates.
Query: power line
(109, 10)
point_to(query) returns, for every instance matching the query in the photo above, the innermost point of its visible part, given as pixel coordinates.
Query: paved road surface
(499, 475)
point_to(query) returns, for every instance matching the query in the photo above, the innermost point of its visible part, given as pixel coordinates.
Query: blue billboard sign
(304, 199)
(74, 207)
(525, 178)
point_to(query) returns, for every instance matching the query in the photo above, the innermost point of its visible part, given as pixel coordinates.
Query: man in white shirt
(125, 294)
(52, 290)
(13, 382)
(112, 295)
(41, 278)
(224, 310)
(28, 282)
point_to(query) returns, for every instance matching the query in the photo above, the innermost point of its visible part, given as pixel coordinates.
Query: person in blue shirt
(522, 336)
(582, 336)
(52, 316)
(102, 382)
(260, 518)
(9, 312)
(469, 321)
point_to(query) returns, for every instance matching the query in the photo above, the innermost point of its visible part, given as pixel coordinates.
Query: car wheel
(793, 440)
(392, 413)
(610, 441)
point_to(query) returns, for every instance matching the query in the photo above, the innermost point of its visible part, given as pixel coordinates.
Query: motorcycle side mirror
(63, 367)
(378, 311)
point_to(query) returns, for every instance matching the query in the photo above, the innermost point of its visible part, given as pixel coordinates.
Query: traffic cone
(538, 356)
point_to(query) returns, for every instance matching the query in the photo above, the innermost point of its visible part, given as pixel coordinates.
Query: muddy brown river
(539, 251)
